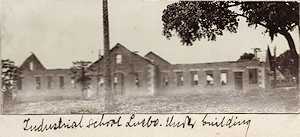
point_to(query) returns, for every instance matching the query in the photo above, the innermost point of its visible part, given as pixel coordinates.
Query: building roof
(32, 57)
(157, 57)
(118, 45)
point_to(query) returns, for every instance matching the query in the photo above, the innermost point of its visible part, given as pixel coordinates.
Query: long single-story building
(133, 74)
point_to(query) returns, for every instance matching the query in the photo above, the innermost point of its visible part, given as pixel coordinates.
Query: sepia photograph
(149, 57)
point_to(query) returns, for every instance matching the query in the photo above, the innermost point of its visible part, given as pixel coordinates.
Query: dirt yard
(269, 101)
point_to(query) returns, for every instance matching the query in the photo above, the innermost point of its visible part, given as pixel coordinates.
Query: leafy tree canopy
(10, 73)
(79, 71)
(246, 56)
(285, 63)
(193, 20)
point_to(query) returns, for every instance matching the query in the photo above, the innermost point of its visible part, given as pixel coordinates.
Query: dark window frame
(212, 76)
(193, 81)
(61, 82)
(222, 72)
(118, 58)
(49, 82)
(38, 83)
(253, 76)
(179, 78)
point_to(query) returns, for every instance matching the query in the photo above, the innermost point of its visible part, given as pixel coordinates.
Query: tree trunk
(109, 97)
(293, 51)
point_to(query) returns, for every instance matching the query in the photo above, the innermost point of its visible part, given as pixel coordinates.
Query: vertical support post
(109, 97)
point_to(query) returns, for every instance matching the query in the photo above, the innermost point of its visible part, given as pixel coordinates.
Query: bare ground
(267, 101)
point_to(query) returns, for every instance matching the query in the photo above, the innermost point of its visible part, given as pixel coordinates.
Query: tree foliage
(246, 56)
(79, 71)
(276, 17)
(10, 75)
(193, 20)
(286, 64)
(196, 20)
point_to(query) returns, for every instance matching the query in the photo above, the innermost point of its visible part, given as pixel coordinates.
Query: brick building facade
(133, 74)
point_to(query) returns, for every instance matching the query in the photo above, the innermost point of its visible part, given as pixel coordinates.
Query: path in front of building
(272, 101)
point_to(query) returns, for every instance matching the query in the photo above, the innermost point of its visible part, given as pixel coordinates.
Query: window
(209, 78)
(118, 59)
(19, 84)
(223, 78)
(49, 82)
(115, 82)
(194, 77)
(31, 66)
(61, 82)
(137, 84)
(166, 80)
(252, 76)
(179, 78)
(73, 85)
(38, 82)
(101, 82)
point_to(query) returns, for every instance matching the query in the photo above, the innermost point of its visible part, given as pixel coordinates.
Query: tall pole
(109, 103)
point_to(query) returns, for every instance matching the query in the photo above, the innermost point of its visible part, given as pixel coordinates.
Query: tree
(10, 75)
(80, 70)
(286, 64)
(195, 20)
(246, 56)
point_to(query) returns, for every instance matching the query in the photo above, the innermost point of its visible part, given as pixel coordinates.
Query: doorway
(118, 83)
(238, 78)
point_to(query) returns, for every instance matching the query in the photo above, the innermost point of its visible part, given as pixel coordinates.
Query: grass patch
(255, 101)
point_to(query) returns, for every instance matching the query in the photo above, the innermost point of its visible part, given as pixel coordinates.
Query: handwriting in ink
(187, 122)
(230, 123)
(110, 122)
(60, 124)
(143, 123)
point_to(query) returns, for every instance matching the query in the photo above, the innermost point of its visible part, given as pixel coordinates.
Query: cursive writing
(143, 123)
(110, 122)
(60, 124)
(231, 122)
(187, 121)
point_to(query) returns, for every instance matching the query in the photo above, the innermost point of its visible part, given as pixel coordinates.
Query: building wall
(216, 69)
(133, 67)
(141, 76)
(29, 80)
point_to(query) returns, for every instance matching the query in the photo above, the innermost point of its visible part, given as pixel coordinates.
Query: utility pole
(109, 96)
(274, 66)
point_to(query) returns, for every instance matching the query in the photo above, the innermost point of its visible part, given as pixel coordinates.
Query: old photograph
(149, 57)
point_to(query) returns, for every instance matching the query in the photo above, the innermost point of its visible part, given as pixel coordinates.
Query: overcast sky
(62, 31)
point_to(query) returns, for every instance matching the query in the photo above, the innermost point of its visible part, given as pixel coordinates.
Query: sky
(61, 31)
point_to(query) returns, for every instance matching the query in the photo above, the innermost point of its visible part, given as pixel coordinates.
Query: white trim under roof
(178, 70)
(238, 70)
(208, 69)
(224, 68)
(194, 69)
